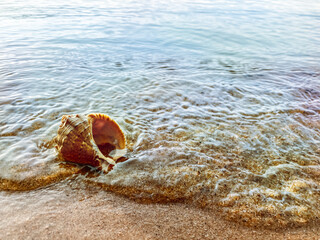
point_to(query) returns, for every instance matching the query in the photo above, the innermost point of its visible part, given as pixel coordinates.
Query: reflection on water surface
(219, 105)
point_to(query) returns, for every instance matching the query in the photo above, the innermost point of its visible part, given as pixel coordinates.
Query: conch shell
(93, 139)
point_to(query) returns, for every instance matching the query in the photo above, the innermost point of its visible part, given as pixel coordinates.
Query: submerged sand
(68, 212)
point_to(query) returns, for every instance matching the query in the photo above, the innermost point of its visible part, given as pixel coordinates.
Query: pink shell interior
(106, 133)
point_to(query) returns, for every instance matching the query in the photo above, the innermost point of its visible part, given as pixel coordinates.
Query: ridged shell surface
(89, 139)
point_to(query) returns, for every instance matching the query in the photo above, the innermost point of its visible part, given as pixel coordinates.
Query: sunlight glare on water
(219, 100)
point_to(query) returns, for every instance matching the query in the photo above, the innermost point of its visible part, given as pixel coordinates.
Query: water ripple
(219, 102)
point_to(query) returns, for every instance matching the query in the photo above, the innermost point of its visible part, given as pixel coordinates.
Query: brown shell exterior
(75, 141)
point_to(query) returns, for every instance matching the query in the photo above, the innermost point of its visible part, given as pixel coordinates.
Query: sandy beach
(218, 106)
(60, 212)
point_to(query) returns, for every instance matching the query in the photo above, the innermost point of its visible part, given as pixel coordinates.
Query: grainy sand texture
(60, 212)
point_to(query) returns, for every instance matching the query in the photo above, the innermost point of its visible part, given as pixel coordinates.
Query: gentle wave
(219, 102)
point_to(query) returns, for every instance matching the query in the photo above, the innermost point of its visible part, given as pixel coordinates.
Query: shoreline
(74, 212)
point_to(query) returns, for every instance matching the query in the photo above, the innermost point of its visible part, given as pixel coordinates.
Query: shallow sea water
(219, 100)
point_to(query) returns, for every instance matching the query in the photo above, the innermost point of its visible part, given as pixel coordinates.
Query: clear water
(219, 100)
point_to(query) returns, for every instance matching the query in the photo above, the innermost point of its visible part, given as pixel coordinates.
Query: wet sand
(64, 212)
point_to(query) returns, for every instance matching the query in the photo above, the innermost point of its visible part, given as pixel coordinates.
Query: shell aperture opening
(107, 135)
